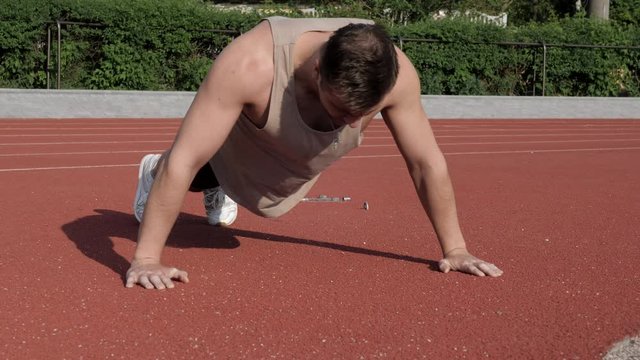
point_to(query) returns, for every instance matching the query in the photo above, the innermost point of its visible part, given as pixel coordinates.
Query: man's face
(335, 108)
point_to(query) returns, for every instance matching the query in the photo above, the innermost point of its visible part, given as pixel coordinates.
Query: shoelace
(214, 199)
(142, 202)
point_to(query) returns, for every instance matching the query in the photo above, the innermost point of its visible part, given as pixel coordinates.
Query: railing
(545, 46)
(401, 41)
(58, 29)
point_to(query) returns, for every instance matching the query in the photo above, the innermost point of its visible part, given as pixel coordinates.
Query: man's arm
(410, 127)
(214, 111)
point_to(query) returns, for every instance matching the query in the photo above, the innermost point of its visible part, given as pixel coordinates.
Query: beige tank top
(269, 170)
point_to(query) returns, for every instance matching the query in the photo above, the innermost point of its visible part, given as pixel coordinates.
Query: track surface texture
(554, 203)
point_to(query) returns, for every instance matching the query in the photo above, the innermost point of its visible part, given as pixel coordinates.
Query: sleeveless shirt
(269, 170)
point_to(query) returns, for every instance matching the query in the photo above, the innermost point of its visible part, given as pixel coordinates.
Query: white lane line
(501, 152)
(362, 146)
(512, 125)
(368, 131)
(346, 157)
(87, 142)
(539, 141)
(85, 153)
(370, 156)
(530, 135)
(92, 128)
(536, 129)
(366, 137)
(540, 151)
(53, 122)
(68, 167)
(516, 122)
(108, 134)
(518, 142)
(502, 135)
(474, 129)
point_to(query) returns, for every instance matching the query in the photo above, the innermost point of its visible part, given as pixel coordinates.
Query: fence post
(59, 42)
(544, 67)
(48, 56)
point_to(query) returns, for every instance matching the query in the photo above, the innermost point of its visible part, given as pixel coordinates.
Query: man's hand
(461, 260)
(154, 275)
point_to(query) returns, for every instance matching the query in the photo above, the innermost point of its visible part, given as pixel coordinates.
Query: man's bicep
(411, 129)
(211, 116)
(406, 118)
(412, 133)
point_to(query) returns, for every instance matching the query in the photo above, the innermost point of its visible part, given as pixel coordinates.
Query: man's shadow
(92, 235)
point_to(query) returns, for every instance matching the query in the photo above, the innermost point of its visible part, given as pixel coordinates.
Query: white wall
(148, 104)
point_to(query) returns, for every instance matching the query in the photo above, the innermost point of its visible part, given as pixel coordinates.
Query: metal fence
(543, 46)
(58, 30)
(400, 41)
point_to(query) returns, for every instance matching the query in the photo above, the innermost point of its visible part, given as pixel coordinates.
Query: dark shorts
(204, 179)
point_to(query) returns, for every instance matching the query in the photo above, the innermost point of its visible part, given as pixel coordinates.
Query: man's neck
(307, 52)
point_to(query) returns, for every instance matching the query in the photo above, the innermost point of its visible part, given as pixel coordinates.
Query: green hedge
(465, 64)
(141, 45)
(169, 45)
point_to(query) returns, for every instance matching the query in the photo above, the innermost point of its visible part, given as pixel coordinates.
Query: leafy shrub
(170, 44)
(479, 59)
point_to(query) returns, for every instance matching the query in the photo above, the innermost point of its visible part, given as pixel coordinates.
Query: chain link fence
(526, 69)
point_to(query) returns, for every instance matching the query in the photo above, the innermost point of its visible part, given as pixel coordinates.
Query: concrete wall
(148, 104)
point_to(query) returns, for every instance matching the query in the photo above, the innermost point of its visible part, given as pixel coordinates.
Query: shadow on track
(92, 235)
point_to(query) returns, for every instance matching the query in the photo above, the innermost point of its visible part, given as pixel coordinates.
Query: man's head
(359, 66)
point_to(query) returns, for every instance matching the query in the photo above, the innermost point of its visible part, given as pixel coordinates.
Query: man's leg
(221, 209)
(146, 173)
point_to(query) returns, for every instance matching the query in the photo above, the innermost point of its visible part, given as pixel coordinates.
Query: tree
(598, 9)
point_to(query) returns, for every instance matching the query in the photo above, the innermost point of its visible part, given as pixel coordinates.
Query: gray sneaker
(221, 209)
(145, 180)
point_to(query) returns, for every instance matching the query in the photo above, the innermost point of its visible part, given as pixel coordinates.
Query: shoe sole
(223, 223)
(140, 188)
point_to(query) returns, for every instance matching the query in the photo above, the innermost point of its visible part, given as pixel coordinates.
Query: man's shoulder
(254, 41)
(316, 20)
(251, 55)
(407, 84)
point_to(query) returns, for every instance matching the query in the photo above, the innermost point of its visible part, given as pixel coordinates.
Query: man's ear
(316, 68)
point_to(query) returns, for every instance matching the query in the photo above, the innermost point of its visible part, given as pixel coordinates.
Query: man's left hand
(461, 260)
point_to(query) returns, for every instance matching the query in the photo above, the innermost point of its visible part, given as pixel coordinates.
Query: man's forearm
(162, 209)
(438, 200)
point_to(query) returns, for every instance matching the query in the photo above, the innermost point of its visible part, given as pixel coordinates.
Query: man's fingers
(444, 266)
(490, 269)
(167, 282)
(179, 275)
(157, 281)
(473, 269)
(470, 265)
(157, 278)
(144, 281)
(132, 279)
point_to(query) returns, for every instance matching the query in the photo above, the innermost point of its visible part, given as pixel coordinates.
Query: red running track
(553, 203)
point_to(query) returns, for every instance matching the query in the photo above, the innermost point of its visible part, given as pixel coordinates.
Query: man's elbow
(433, 166)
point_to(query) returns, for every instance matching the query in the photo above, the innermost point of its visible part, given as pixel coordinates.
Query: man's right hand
(153, 275)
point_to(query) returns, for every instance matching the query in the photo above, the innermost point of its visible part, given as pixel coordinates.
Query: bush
(471, 58)
(170, 44)
(139, 44)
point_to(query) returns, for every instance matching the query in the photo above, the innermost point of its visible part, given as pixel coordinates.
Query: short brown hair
(360, 64)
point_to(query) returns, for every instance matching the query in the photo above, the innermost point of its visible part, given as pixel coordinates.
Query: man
(281, 103)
